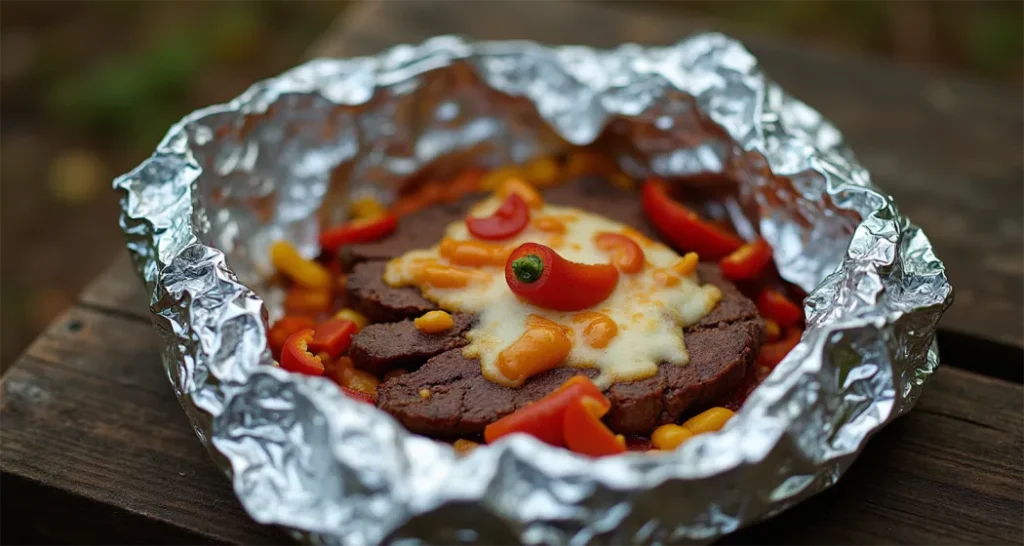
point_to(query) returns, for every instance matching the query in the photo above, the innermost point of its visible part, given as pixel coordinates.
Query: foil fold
(227, 180)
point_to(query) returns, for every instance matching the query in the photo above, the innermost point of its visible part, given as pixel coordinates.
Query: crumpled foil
(199, 215)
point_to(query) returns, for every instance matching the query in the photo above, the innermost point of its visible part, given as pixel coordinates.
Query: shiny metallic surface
(199, 215)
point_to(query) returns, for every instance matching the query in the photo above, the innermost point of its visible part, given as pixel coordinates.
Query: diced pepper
(537, 274)
(543, 419)
(283, 328)
(682, 227)
(773, 353)
(303, 272)
(307, 301)
(600, 329)
(366, 230)
(670, 436)
(626, 253)
(748, 261)
(464, 447)
(773, 305)
(772, 330)
(361, 381)
(473, 253)
(585, 433)
(333, 336)
(708, 420)
(522, 189)
(434, 322)
(542, 347)
(510, 219)
(353, 315)
(296, 356)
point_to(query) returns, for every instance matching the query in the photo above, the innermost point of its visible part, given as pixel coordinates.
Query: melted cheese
(649, 312)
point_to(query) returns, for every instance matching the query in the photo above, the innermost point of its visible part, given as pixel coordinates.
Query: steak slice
(379, 348)
(462, 401)
(367, 293)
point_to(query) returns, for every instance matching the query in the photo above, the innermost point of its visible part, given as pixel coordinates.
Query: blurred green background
(88, 88)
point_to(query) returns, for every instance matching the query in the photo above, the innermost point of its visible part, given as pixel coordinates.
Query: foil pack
(200, 213)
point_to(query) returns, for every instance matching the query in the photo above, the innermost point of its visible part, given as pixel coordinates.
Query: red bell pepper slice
(543, 419)
(747, 262)
(584, 431)
(296, 357)
(366, 230)
(773, 305)
(284, 327)
(511, 218)
(358, 395)
(626, 254)
(682, 227)
(333, 336)
(537, 274)
(773, 353)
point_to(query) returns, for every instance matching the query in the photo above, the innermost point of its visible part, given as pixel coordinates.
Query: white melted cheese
(650, 317)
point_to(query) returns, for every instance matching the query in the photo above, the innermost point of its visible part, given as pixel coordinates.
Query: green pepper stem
(528, 268)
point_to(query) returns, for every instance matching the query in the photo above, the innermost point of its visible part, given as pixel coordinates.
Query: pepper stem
(528, 268)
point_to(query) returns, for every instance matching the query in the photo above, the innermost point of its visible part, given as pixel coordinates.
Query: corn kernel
(434, 322)
(542, 172)
(709, 420)
(359, 380)
(366, 207)
(463, 447)
(289, 262)
(670, 436)
(772, 331)
(493, 179)
(425, 394)
(353, 315)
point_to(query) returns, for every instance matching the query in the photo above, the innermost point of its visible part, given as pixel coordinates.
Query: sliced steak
(379, 348)
(461, 401)
(368, 294)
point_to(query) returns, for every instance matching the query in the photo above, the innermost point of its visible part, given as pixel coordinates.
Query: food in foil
(569, 302)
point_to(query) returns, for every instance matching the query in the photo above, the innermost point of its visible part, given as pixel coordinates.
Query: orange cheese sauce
(626, 336)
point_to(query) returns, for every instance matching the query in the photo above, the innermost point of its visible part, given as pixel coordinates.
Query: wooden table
(94, 447)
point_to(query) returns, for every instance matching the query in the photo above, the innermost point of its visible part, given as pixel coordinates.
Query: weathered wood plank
(89, 418)
(946, 147)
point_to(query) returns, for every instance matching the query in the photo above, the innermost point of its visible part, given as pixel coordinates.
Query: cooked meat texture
(425, 228)
(462, 402)
(379, 348)
(368, 294)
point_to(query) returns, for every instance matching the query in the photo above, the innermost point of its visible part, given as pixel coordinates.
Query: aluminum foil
(227, 180)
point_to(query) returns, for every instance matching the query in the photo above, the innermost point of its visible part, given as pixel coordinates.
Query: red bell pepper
(301, 300)
(748, 261)
(773, 353)
(544, 419)
(296, 356)
(626, 254)
(537, 274)
(358, 395)
(366, 230)
(284, 327)
(333, 336)
(682, 227)
(775, 306)
(584, 431)
(510, 219)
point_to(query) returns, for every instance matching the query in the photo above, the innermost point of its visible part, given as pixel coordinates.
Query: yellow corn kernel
(425, 394)
(709, 420)
(366, 207)
(359, 380)
(772, 330)
(434, 322)
(353, 315)
(494, 178)
(542, 172)
(463, 447)
(304, 272)
(523, 189)
(670, 436)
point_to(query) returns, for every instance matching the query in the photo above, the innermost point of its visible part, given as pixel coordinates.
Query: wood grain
(947, 148)
(96, 449)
